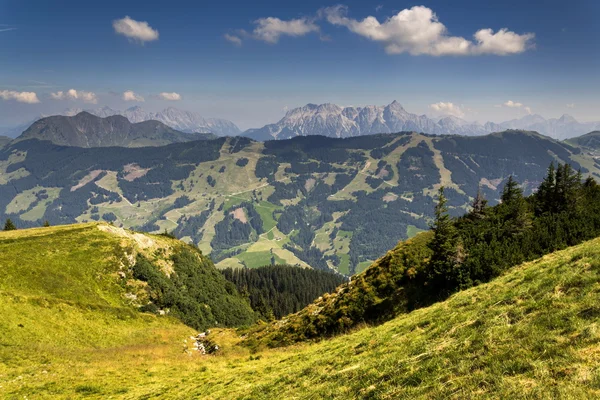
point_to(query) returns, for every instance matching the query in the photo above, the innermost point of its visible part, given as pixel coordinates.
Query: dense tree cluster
(241, 162)
(196, 292)
(278, 290)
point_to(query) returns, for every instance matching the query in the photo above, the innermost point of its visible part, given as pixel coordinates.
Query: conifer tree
(9, 225)
(545, 194)
(446, 247)
(511, 191)
(517, 217)
(46, 224)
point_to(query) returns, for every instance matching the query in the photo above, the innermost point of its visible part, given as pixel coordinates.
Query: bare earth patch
(390, 197)
(134, 171)
(383, 173)
(492, 184)
(240, 215)
(87, 179)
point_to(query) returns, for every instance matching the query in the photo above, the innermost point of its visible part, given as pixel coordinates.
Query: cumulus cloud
(516, 104)
(417, 31)
(130, 95)
(137, 31)
(72, 94)
(236, 40)
(447, 109)
(21, 97)
(170, 96)
(270, 29)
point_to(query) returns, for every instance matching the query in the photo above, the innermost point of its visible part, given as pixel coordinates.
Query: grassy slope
(60, 299)
(532, 333)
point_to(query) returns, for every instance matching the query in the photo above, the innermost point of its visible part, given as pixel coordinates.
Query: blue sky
(312, 52)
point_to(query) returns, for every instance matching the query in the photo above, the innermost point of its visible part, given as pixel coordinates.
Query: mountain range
(87, 130)
(335, 121)
(184, 121)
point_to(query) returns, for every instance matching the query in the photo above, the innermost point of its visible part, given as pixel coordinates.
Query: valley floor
(532, 333)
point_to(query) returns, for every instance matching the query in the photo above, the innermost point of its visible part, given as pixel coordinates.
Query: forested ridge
(329, 203)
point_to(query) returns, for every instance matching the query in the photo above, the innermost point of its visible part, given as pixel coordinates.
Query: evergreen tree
(545, 194)
(514, 208)
(511, 191)
(9, 225)
(46, 224)
(447, 250)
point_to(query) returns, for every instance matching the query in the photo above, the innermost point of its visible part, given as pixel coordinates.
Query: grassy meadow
(66, 332)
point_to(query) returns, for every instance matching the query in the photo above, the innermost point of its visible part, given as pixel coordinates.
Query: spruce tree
(446, 248)
(545, 195)
(9, 226)
(46, 224)
(511, 191)
(517, 217)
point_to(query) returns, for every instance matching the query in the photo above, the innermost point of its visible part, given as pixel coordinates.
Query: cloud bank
(417, 31)
(21, 97)
(72, 94)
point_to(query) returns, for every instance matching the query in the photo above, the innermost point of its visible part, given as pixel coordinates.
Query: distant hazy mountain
(561, 128)
(87, 130)
(185, 121)
(590, 140)
(335, 121)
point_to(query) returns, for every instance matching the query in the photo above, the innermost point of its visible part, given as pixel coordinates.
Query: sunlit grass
(532, 333)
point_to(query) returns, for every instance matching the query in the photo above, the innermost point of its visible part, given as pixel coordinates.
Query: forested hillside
(457, 254)
(331, 204)
(275, 291)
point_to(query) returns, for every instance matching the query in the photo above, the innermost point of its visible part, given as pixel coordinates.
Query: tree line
(275, 291)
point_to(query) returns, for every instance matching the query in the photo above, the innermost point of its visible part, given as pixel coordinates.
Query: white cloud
(571, 105)
(417, 31)
(502, 43)
(72, 94)
(130, 95)
(447, 109)
(170, 96)
(513, 104)
(516, 104)
(270, 29)
(138, 31)
(21, 97)
(236, 40)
